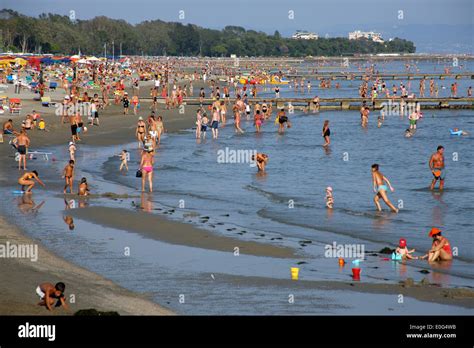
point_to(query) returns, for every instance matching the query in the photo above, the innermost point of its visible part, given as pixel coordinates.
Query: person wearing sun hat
(440, 249)
(403, 250)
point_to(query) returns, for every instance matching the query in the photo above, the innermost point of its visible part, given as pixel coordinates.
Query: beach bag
(139, 173)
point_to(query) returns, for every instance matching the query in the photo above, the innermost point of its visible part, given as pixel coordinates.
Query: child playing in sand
(48, 293)
(42, 125)
(83, 188)
(124, 156)
(403, 250)
(329, 197)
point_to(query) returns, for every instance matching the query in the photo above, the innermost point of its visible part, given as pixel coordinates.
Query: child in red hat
(404, 251)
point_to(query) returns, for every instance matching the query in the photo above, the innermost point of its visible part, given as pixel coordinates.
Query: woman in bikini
(140, 131)
(160, 128)
(258, 120)
(28, 179)
(440, 249)
(146, 166)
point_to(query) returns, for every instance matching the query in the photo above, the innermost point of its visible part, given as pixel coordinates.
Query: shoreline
(114, 131)
(89, 289)
(102, 294)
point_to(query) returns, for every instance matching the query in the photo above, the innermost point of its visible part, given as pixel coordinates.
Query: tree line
(58, 34)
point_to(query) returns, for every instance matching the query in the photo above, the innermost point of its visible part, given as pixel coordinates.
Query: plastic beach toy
(396, 257)
(294, 273)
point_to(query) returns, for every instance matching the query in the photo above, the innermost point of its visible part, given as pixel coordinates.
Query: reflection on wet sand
(27, 205)
(146, 203)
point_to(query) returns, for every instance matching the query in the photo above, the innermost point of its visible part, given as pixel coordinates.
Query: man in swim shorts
(8, 127)
(436, 164)
(381, 189)
(215, 123)
(68, 175)
(23, 143)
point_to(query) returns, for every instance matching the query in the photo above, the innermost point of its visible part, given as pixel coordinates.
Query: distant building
(305, 35)
(369, 35)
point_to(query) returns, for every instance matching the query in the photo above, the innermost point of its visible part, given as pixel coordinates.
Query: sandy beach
(92, 290)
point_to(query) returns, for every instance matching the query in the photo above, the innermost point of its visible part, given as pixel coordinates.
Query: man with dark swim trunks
(68, 175)
(436, 164)
(23, 142)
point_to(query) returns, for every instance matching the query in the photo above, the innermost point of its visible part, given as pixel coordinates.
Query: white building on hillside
(305, 35)
(370, 35)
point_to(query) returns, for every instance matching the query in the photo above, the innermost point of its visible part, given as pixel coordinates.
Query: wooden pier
(350, 103)
(384, 76)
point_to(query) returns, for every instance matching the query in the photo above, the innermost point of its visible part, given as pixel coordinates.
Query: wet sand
(420, 291)
(20, 277)
(91, 290)
(155, 227)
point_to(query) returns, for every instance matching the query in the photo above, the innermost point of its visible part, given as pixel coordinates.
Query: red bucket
(356, 273)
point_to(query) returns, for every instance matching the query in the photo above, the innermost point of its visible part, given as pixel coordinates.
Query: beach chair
(46, 101)
(53, 86)
(45, 155)
(15, 106)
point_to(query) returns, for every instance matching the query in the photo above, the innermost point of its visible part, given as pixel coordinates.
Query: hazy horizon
(434, 26)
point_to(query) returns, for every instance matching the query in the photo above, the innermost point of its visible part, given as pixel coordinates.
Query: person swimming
(329, 197)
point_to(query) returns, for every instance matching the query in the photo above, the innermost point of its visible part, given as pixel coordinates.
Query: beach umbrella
(93, 59)
(20, 61)
(75, 57)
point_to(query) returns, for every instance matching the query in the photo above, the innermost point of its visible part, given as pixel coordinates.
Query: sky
(447, 24)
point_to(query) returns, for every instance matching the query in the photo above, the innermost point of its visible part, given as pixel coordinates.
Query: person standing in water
(436, 164)
(261, 160)
(215, 123)
(326, 133)
(146, 166)
(140, 131)
(381, 189)
(68, 175)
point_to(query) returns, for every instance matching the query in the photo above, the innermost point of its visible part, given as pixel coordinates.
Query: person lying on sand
(27, 180)
(48, 293)
(440, 249)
